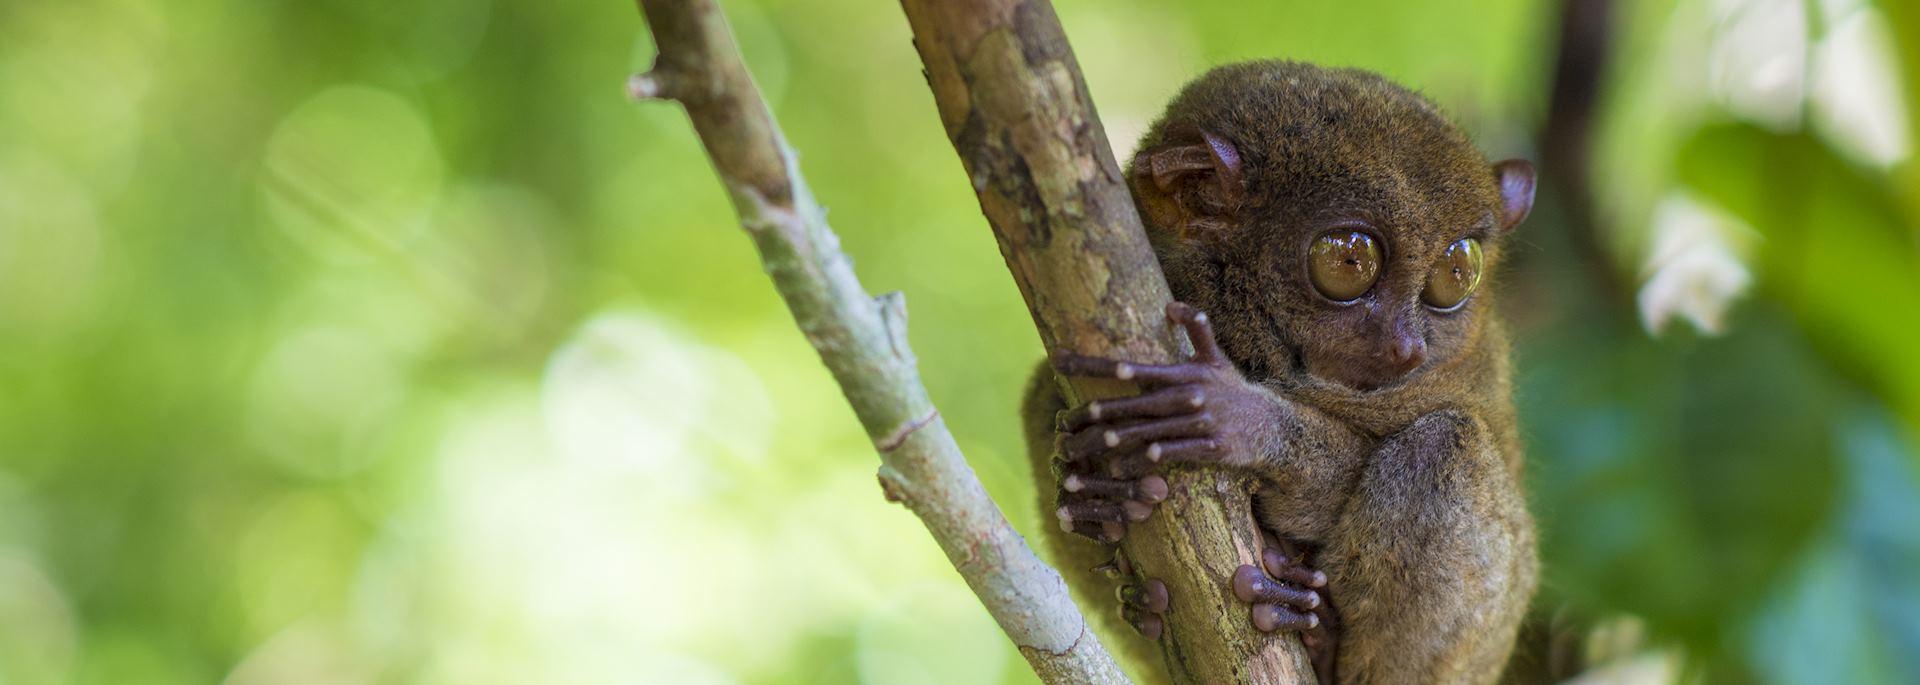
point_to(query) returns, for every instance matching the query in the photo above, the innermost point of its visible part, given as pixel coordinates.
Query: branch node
(890, 487)
(651, 85)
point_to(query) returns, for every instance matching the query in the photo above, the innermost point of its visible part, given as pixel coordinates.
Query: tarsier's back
(1328, 234)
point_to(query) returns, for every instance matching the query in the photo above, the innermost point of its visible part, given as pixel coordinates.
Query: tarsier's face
(1383, 309)
(1379, 293)
(1338, 229)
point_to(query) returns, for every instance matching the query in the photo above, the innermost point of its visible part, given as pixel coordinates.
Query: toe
(1250, 584)
(1273, 617)
(1279, 566)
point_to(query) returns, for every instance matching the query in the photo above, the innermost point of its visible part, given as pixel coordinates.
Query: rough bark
(863, 342)
(1016, 108)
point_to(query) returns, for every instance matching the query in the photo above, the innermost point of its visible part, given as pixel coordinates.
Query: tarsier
(1327, 234)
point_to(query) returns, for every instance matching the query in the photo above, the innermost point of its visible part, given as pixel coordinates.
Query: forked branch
(863, 342)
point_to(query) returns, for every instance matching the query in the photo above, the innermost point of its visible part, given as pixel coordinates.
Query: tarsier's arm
(1108, 454)
(1203, 411)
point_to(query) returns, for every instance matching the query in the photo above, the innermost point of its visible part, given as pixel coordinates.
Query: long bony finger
(1206, 349)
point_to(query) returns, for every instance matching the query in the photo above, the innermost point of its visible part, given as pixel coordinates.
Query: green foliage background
(386, 342)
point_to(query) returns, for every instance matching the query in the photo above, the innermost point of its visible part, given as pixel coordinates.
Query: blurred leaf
(1671, 481)
(1851, 611)
(1836, 251)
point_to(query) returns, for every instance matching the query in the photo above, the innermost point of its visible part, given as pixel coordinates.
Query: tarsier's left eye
(1454, 274)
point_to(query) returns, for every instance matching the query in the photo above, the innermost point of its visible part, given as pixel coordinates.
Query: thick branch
(1016, 109)
(863, 342)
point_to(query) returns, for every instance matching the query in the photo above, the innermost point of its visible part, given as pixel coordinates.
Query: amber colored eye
(1344, 264)
(1454, 274)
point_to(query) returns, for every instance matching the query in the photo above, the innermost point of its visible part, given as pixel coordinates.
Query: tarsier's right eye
(1344, 264)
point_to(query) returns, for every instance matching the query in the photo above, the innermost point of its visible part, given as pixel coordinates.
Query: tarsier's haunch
(1328, 236)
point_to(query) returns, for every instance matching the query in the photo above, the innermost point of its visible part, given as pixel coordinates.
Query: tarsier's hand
(1199, 411)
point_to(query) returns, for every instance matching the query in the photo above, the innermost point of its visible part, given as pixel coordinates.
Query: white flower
(1693, 272)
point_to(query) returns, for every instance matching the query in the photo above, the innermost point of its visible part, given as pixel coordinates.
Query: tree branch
(1016, 108)
(863, 342)
(1566, 139)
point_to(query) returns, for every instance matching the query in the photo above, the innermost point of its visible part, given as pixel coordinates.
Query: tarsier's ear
(1516, 191)
(1192, 186)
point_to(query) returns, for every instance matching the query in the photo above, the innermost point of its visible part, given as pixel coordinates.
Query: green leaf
(1835, 250)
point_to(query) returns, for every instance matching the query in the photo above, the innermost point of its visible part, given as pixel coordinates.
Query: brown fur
(1408, 486)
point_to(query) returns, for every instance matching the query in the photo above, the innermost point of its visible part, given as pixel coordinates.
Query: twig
(863, 342)
(1016, 108)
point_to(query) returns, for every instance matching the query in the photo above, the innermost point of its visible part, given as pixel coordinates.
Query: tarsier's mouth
(1362, 376)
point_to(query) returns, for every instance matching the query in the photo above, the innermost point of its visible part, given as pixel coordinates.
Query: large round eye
(1344, 264)
(1454, 274)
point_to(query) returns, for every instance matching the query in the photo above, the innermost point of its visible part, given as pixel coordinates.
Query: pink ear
(1226, 165)
(1516, 191)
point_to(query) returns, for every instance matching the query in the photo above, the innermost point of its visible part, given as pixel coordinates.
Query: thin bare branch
(862, 340)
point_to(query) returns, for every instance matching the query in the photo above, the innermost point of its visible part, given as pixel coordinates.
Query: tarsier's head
(1336, 226)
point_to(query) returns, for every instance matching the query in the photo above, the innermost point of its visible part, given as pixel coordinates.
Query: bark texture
(1016, 108)
(863, 342)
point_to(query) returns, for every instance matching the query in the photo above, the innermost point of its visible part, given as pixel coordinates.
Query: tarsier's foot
(1143, 603)
(1282, 592)
(1286, 594)
(1108, 449)
(1144, 606)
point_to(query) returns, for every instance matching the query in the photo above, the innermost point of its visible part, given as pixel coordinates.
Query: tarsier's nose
(1409, 351)
(1404, 348)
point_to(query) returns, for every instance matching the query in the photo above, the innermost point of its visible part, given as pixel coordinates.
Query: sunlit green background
(385, 342)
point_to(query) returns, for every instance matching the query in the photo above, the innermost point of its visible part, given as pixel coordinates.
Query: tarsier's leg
(1087, 565)
(1432, 560)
